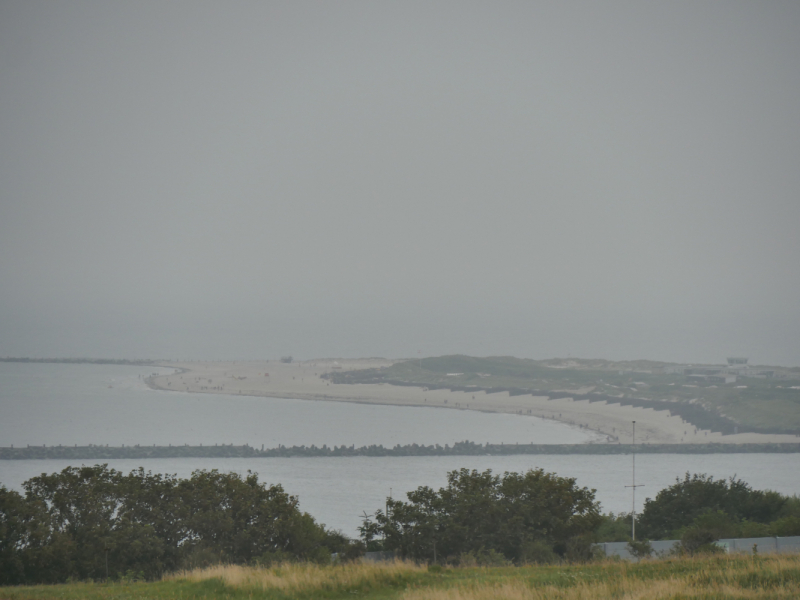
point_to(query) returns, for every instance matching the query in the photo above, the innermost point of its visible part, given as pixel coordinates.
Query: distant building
(764, 373)
(705, 371)
(737, 367)
(711, 378)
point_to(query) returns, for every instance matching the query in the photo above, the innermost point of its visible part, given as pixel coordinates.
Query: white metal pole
(633, 511)
(633, 486)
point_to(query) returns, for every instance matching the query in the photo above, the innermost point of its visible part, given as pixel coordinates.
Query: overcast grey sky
(250, 179)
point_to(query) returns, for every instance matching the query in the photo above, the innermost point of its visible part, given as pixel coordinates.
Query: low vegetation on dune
(707, 578)
(750, 404)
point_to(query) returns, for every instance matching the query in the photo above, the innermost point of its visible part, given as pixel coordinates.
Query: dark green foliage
(718, 523)
(697, 540)
(640, 549)
(614, 528)
(522, 517)
(718, 506)
(785, 527)
(23, 532)
(96, 523)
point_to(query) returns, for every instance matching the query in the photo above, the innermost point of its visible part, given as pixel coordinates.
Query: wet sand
(302, 380)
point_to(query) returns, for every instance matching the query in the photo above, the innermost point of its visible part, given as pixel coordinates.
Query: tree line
(479, 517)
(698, 509)
(93, 522)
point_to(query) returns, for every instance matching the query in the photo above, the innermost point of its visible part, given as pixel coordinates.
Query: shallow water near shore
(101, 404)
(83, 404)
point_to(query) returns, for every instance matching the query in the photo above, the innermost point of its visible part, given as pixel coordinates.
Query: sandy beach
(303, 380)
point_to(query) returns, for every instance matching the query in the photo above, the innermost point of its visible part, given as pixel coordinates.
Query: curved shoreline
(304, 381)
(600, 436)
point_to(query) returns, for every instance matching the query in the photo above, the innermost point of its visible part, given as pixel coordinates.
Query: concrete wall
(766, 545)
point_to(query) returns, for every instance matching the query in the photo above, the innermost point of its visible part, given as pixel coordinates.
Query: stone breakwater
(94, 452)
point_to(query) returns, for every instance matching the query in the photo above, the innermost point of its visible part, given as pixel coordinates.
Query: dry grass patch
(685, 579)
(714, 578)
(306, 578)
(711, 578)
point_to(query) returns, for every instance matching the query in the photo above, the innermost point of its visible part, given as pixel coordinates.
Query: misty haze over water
(67, 404)
(64, 403)
(246, 180)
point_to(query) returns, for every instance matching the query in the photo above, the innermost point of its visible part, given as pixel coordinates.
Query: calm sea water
(71, 404)
(99, 404)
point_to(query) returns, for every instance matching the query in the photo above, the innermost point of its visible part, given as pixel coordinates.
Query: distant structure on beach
(286, 359)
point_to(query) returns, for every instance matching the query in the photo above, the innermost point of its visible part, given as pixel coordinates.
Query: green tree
(785, 527)
(95, 522)
(677, 506)
(614, 528)
(517, 515)
(239, 520)
(21, 533)
(698, 540)
(82, 505)
(640, 549)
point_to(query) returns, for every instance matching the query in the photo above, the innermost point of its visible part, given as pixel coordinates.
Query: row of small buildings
(736, 367)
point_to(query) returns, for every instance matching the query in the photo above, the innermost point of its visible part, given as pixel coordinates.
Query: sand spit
(303, 380)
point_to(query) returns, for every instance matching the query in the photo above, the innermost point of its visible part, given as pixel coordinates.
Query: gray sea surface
(73, 404)
(107, 404)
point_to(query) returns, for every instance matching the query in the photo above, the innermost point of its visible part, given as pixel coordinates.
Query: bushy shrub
(538, 552)
(696, 540)
(785, 527)
(614, 528)
(640, 549)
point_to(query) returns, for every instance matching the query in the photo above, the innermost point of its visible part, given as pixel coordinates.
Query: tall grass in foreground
(305, 578)
(708, 579)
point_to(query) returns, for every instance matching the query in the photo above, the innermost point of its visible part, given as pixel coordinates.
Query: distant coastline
(84, 361)
(93, 452)
(568, 395)
(666, 407)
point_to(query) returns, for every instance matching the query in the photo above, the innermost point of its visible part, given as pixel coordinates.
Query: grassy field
(710, 578)
(766, 404)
